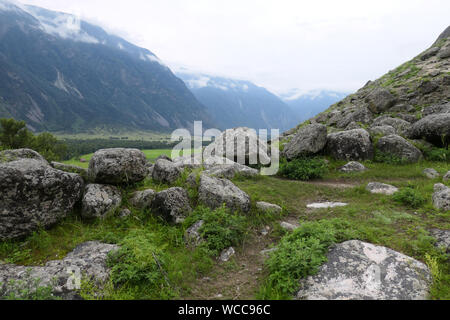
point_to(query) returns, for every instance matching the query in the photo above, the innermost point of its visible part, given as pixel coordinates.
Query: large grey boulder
(434, 128)
(172, 204)
(431, 173)
(441, 197)
(192, 235)
(435, 109)
(34, 195)
(350, 145)
(442, 238)
(229, 171)
(399, 147)
(166, 171)
(100, 200)
(381, 188)
(268, 207)
(143, 199)
(354, 115)
(382, 130)
(241, 145)
(86, 263)
(401, 126)
(380, 100)
(362, 271)
(309, 140)
(18, 154)
(215, 192)
(118, 166)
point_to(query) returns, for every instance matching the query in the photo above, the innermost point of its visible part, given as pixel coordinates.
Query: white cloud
(278, 44)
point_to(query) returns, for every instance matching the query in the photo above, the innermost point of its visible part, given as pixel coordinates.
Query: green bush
(409, 197)
(437, 154)
(221, 229)
(303, 168)
(388, 158)
(300, 254)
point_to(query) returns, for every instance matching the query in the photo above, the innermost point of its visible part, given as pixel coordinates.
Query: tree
(14, 134)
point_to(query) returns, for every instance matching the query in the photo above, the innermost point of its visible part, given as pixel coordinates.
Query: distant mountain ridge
(236, 103)
(59, 73)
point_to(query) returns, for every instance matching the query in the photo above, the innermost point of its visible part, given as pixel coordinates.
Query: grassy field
(396, 222)
(102, 134)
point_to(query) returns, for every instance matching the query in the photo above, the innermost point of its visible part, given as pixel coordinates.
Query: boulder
(34, 195)
(434, 128)
(100, 200)
(192, 235)
(442, 238)
(143, 199)
(326, 205)
(429, 53)
(309, 140)
(441, 197)
(166, 171)
(226, 254)
(172, 204)
(399, 147)
(288, 226)
(354, 115)
(380, 100)
(362, 271)
(446, 177)
(18, 154)
(118, 166)
(244, 147)
(350, 145)
(229, 171)
(401, 127)
(163, 157)
(353, 166)
(381, 188)
(436, 109)
(215, 192)
(383, 130)
(71, 168)
(86, 263)
(268, 207)
(430, 173)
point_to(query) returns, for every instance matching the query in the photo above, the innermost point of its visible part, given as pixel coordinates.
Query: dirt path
(238, 279)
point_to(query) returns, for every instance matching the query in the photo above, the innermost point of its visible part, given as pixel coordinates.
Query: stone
(381, 188)
(288, 226)
(34, 195)
(326, 205)
(309, 140)
(445, 53)
(353, 166)
(401, 127)
(446, 177)
(268, 207)
(172, 204)
(163, 157)
(230, 171)
(436, 109)
(118, 166)
(434, 128)
(427, 86)
(192, 235)
(400, 148)
(215, 192)
(244, 147)
(382, 130)
(350, 145)
(380, 100)
(86, 262)
(429, 53)
(442, 238)
(18, 154)
(362, 271)
(124, 213)
(441, 197)
(166, 171)
(100, 200)
(226, 254)
(143, 199)
(71, 169)
(430, 173)
(354, 115)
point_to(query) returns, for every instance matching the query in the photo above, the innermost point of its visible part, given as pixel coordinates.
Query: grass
(155, 263)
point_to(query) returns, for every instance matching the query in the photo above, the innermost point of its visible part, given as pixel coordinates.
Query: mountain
(59, 73)
(413, 100)
(237, 103)
(308, 104)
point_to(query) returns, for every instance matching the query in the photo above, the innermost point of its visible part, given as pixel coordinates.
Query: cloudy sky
(278, 44)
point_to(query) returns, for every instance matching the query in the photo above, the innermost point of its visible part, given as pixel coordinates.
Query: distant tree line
(15, 135)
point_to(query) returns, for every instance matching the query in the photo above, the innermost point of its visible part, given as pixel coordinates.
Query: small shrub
(303, 168)
(409, 197)
(222, 228)
(388, 158)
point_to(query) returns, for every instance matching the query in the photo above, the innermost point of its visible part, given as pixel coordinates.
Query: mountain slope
(237, 103)
(61, 74)
(309, 104)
